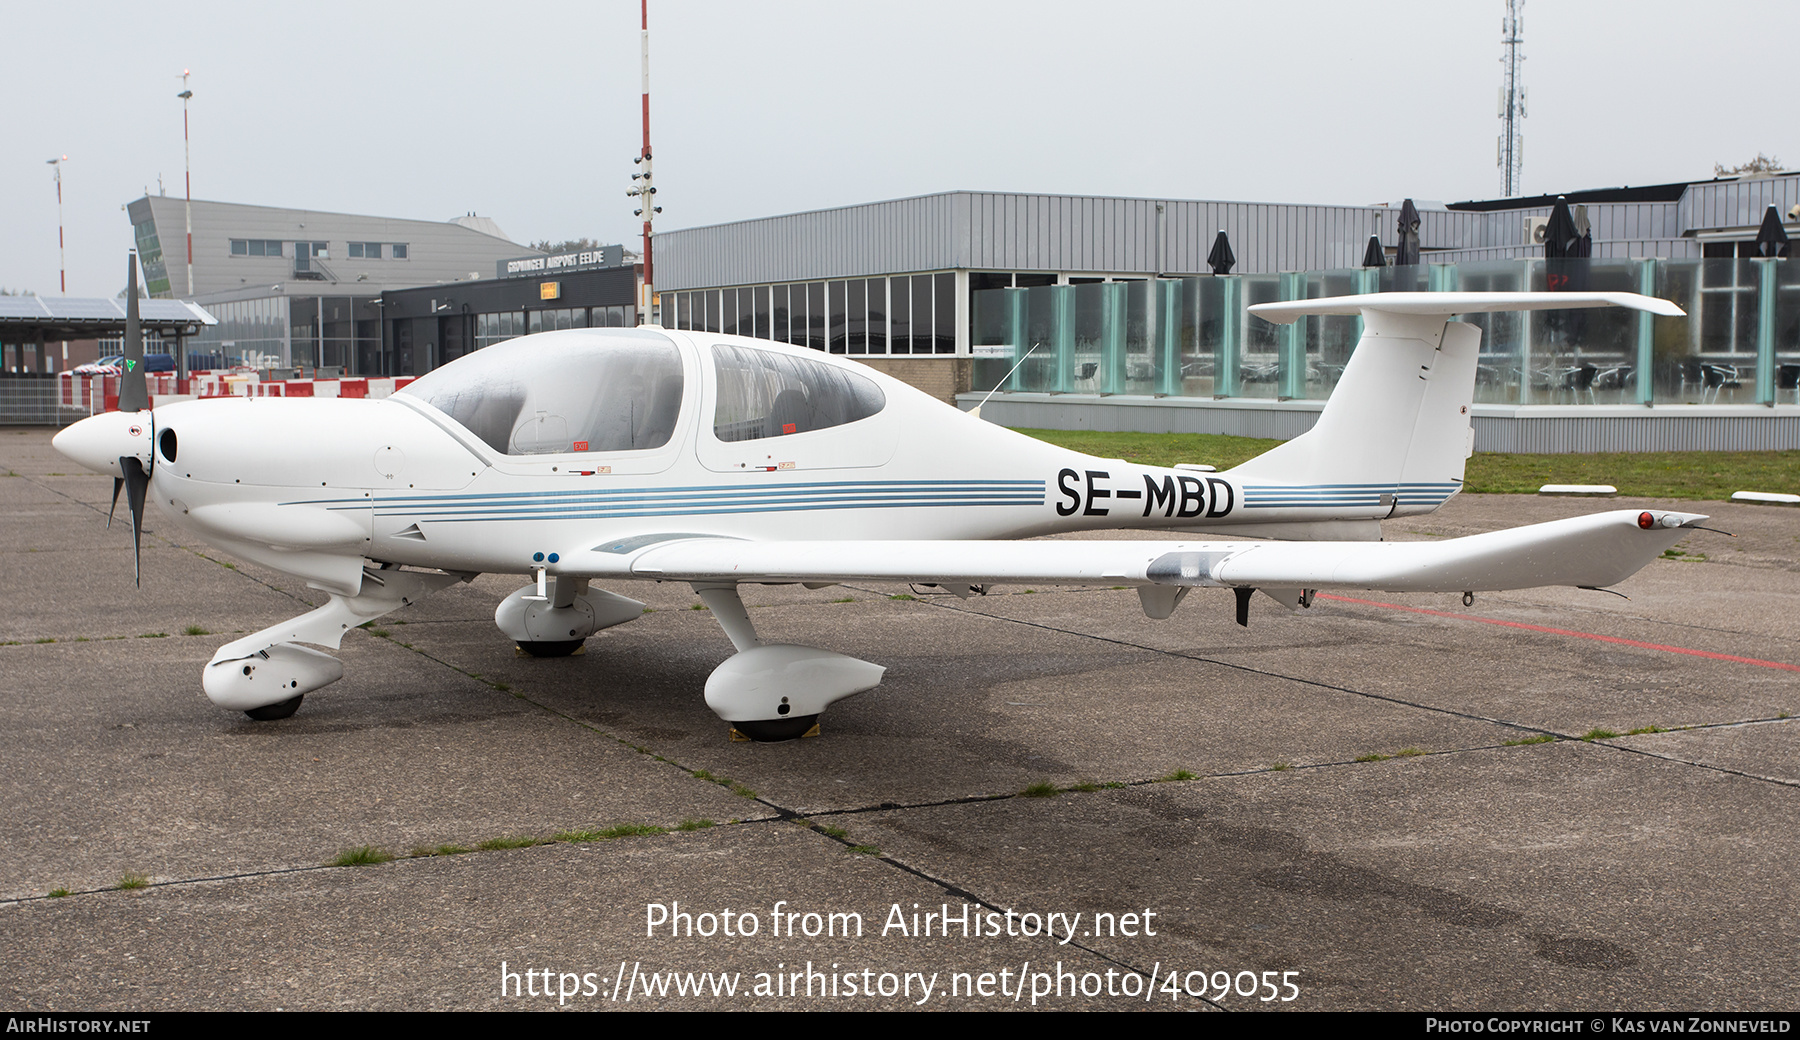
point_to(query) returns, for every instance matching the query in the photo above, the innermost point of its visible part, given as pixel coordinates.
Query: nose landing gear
(266, 674)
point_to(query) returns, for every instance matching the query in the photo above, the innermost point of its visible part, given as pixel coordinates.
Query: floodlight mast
(187, 163)
(62, 255)
(646, 189)
(1511, 157)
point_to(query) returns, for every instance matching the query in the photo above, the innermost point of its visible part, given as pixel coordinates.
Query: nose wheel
(271, 712)
(540, 648)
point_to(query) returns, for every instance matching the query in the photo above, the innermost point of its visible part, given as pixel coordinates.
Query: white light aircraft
(648, 454)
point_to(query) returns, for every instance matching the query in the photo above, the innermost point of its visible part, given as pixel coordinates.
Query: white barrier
(99, 392)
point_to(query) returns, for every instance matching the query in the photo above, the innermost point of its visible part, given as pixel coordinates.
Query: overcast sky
(529, 112)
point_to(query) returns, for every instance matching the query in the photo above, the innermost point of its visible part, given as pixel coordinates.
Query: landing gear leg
(556, 624)
(265, 674)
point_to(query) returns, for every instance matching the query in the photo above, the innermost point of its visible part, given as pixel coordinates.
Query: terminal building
(1111, 307)
(433, 325)
(296, 287)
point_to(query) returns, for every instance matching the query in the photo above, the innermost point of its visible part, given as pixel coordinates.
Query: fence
(28, 400)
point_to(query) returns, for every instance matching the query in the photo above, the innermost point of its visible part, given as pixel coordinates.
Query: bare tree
(1762, 164)
(573, 245)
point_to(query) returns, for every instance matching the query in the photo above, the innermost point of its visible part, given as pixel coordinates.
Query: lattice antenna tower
(1513, 96)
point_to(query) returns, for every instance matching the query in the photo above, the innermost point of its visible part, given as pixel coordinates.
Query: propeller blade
(118, 482)
(134, 392)
(137, 482)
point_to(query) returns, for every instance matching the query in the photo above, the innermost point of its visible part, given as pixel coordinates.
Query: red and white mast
(645, 191)
(62, 255)
(187, 163)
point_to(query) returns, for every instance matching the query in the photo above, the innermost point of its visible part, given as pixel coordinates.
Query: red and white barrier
(100, 392)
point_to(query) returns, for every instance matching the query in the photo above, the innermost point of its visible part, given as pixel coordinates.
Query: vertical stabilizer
(1399, 418)
(1400, 413)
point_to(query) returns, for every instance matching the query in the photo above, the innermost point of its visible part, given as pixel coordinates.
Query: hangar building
(1126, 328)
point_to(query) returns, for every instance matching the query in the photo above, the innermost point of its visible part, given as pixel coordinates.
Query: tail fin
(1400, 414)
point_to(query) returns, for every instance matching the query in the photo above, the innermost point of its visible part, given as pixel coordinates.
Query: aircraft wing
(1589, 551)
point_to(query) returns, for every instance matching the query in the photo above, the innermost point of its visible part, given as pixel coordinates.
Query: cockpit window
(581, 390)
(765, 394)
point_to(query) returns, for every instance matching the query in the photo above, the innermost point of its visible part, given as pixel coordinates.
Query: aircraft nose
(98, 441)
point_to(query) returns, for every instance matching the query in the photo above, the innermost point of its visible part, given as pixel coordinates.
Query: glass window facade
(498, 327)
(253, 332)
(156, 273)
(1738, 344)
(900, 314)
(342, 332)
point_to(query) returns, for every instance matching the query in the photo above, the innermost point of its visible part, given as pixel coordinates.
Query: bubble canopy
(581, 390)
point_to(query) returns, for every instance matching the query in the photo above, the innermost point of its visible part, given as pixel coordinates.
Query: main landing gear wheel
(774, 691)
(271, 712)
(773, 731)
(559, 648)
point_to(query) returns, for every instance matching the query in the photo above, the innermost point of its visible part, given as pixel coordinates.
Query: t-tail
(1396, 431)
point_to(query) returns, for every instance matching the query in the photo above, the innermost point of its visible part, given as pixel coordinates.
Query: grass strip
(1688, 475)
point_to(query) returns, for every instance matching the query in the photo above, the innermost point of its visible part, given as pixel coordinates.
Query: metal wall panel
(1625, 221)
(917, 234)
(438, 251)
(1015, 232)
(1458, 229)
(1656, 431)
(1025, 232)
(1737, 204)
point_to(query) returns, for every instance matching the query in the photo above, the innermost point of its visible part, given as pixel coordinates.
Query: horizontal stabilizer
(1447, 303)
(1400, 411)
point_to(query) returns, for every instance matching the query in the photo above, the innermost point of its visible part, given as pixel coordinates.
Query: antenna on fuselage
(976, 411)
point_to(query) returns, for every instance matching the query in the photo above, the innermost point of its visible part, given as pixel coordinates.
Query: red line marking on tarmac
(1569, 632)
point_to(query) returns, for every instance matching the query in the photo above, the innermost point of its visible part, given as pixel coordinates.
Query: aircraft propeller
(122, 443)
(137, 482)
(134, 396)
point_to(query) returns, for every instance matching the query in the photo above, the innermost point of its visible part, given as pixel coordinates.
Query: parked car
(113, 364)
(108, 366)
